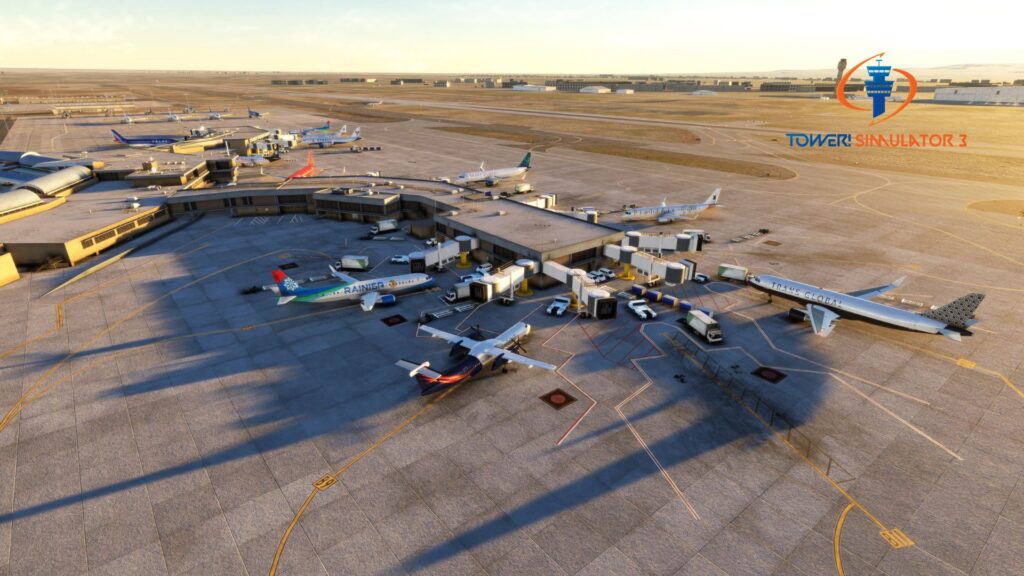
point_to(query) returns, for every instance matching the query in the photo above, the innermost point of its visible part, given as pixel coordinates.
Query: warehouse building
(981, 95)
(595, 90)
(357, 80)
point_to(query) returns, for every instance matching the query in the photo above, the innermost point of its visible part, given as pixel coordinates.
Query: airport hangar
(507, 230)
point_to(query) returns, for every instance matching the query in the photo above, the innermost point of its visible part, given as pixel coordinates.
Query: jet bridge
(585, 293)
(443, 253)
(649, 265)
(687, 241)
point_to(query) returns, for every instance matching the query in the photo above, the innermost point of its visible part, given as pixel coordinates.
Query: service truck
(457, 292)
(353, 262)
(383, 226)
(704, 326)
(523, 188)
(731, 272)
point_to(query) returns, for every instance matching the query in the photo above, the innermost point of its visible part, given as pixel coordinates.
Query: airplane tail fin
(309, 160)
(118, 138)
(713, 199)
(286, 287)
(525, 163)
(958, 314)
(358, 129)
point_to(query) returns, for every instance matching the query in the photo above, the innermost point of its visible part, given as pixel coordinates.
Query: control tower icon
(878, 88)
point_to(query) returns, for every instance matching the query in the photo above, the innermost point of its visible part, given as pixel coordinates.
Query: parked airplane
(666, 213)
(126, 119)
(254, 113)
(145, 141)
(823, 307)
(304, 131)
(476, 354)
(492, 177)
(173, 118)
(369, 292)
(213, 115)
(328, 140)
(247, 160)
(306, 171)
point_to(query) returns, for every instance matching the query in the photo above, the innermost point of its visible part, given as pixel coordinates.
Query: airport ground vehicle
(597, 276)
(470, 277)
(700, 278)
(484, 269)
(732, 272)
(641, 309)
(653, 281)
(353, 262)
(704, 326)
(523, 188)
(383, 226)
(399, 259)
(431, 242)
(457, 292)
(558, 306)
(608, 272)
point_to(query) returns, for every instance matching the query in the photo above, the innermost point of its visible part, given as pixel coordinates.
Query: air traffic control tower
(878, 88)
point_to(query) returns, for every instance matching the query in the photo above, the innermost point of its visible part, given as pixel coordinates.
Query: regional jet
(823, 307)
(492, 177)
(145, 141)
(474, 355)
(666, 213)
(304, 131)
(328, 140)
(369, 292)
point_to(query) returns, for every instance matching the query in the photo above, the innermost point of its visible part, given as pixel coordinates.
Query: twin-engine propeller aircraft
(475, 354)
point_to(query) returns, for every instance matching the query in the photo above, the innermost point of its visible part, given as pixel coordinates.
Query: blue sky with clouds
(524, 36)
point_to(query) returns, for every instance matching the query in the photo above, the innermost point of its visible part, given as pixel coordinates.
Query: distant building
(279, 82)
(294, 82)
(981, 95)
(624, 91)
(1018, 82)
(573, 85)
(533, 88)
(357, 80)
(442, 84)
(776, 86)
(595, 90)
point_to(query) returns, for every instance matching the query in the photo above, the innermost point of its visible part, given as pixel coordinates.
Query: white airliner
(823, 307)
(492, 177)
(173, 118)
(497, 351)
(126, 119)
(328, 140)
(247, 160)
(369, 292)
(666, 213)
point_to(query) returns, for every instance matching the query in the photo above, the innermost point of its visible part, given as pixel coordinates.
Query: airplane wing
(822, 319)
(368, 300)
(877, 290)
(446, 336)
(519, 359)
(341, 275)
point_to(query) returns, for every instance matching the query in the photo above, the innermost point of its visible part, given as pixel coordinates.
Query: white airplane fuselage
(845, 304)
(497, 173)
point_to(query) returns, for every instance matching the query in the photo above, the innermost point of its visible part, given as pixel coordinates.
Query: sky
(498, 36)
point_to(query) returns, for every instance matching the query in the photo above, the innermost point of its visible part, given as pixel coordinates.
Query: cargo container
(353, 262)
